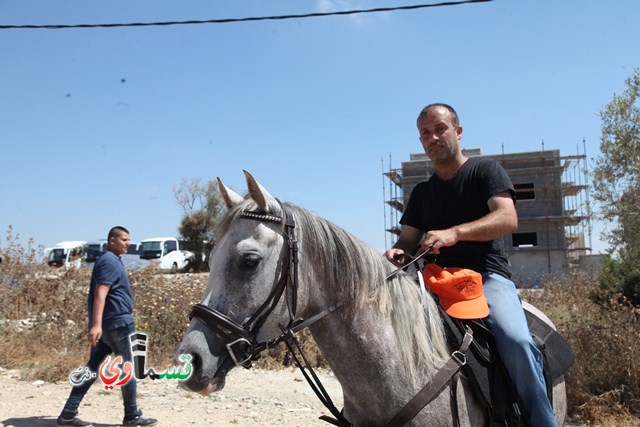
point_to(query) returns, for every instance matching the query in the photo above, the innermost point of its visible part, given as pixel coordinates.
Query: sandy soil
(250, 398)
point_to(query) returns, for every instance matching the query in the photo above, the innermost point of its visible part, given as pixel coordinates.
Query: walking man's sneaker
(139, 420)
(72, 422)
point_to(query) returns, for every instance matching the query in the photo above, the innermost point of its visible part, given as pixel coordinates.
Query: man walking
(110, 307)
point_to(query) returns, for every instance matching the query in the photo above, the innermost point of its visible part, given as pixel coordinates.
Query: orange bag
(459, 290)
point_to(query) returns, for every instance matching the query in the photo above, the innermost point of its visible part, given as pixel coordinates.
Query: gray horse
(383, 339)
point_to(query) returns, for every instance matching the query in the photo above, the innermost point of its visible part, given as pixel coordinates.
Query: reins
(413, 261)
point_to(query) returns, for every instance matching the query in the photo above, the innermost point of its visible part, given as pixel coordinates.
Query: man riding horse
(460, 214)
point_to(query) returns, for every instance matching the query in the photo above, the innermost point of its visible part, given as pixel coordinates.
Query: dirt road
(250, 398)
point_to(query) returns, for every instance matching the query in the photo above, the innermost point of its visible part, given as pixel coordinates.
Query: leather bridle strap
(255, 322)
(435, 386)
(292, 291)
(214, 318)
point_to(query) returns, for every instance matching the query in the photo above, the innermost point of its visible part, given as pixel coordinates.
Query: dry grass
(603, 385)
(604, 382)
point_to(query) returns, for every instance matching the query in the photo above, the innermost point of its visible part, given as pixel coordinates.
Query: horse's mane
(357, 274)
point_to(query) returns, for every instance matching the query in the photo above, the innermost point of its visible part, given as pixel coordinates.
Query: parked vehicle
(94, 250)
(68, 254)
(165, 253)
(131, 259)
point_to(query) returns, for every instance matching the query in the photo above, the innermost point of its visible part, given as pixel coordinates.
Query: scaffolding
(394, 202)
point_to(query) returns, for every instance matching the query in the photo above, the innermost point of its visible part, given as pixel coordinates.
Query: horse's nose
(191, 357)
(191, 383)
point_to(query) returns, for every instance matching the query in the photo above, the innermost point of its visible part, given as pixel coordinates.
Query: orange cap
(459, 290)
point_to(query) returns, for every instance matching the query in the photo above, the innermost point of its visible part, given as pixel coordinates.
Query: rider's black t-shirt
(438, 204)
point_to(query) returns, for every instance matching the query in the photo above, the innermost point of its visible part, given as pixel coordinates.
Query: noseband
(241, 339)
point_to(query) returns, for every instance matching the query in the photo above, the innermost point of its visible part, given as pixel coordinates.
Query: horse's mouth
(210, 388)
(206, 385)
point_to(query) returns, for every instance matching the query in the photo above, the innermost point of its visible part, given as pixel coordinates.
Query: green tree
(616, 186)
(202, 205)
(616, 175)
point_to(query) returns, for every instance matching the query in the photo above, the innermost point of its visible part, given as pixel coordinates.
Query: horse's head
(250, 295)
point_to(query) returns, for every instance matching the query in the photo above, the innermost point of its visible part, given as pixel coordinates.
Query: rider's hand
(436, 239)
(396, 256)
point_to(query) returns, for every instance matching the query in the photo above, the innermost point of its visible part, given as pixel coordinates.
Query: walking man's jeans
(113, 341)
(521, 357)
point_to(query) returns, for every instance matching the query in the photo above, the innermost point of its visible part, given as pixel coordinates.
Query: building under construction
(554, 227)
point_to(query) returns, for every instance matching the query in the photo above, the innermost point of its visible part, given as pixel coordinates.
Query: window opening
(524, 240)
(525, 191)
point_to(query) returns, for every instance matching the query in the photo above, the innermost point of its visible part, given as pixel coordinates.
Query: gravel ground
(251, 398)
(255, 397)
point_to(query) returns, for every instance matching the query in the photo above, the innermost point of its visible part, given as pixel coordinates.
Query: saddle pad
(488, 380)
(556, 349)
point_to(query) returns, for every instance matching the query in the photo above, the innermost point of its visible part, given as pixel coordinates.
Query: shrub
(43, 330)
(618, 279)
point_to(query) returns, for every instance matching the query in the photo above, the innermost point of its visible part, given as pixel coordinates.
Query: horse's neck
(366, 358)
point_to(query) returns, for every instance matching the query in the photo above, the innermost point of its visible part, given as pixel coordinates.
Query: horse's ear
(258, 193)
(230, 197)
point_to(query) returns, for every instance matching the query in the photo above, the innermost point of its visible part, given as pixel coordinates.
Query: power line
(234, 20)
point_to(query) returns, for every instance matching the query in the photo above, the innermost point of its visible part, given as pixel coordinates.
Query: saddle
(486, 375)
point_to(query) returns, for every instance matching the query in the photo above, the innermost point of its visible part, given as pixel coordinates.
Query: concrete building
(554, 231)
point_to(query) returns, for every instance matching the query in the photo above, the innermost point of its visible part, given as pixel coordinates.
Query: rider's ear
(230, 197)
(266, 202)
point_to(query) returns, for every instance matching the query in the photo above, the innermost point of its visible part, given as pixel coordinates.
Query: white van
(165, 253)
(68, 254)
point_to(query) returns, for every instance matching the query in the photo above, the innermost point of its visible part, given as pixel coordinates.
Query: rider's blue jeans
(518, 352)
(112, 341)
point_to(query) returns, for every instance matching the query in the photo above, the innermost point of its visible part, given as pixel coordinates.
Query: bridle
(241, 339)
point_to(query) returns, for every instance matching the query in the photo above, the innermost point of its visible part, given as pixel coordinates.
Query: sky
(97, 126)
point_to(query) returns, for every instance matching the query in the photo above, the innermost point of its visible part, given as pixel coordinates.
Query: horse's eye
(250, 260)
